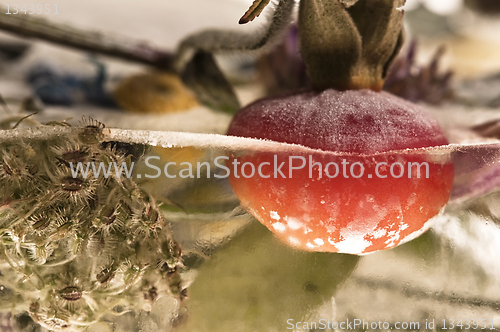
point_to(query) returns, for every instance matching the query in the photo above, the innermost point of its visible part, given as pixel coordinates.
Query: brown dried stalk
(91, 41)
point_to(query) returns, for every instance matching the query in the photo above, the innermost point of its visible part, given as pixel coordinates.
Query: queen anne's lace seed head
(76, 244)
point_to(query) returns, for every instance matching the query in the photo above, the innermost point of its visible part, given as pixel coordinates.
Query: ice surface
(475, 158)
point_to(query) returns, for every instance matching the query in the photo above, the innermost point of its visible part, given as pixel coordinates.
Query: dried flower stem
(92, 41)
(220, 40)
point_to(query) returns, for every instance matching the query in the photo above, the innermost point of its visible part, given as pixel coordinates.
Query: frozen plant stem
(91, 41)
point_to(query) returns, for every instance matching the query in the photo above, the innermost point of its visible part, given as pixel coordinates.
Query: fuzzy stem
(220, 40)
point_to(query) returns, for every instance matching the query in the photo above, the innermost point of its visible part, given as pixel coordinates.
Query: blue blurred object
(66, 89)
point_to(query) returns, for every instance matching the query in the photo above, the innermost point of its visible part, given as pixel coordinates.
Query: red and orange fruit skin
(343, 214)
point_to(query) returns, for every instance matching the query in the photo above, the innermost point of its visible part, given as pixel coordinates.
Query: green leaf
(256, 283)
(206, 80)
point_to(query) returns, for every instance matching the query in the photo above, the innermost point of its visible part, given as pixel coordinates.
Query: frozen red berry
(390, 203)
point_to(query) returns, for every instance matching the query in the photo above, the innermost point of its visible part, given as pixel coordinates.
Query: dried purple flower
(282, 69)
(419, 83)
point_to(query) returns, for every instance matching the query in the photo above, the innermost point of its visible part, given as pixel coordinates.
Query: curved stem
(219, 40)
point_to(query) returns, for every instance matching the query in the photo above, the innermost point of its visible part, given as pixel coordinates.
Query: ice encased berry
(344, 214)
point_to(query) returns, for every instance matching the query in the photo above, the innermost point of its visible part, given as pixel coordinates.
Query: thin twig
(23, 118)
(92, 41)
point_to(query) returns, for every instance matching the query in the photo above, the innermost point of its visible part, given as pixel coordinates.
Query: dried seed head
(131, 272)
(12, 169)
(111, 218)
(91, 133)
(18, 165)
(71, 293)
(170, 249)
(105, 275)
(77, 190)
(150, 214)
(100, 245)
(147, 220)
(170, 257)
(66, 221)
(108, 215)
(40, 253)
(51, 318)
(132, 151)
(76, 156)
(152, 294)
(71, 231)
(40, 222)
(72, 152)
(71, 184)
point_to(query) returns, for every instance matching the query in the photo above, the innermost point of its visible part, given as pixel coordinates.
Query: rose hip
(391, 203)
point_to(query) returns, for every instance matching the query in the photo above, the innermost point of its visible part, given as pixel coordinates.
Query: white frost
(280, 227)
(293, 223)
(319, 242)
(353, 244)
(379, 233)
(294, 241)
(274, 215)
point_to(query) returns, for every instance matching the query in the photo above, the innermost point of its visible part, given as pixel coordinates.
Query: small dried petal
(254, 11)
